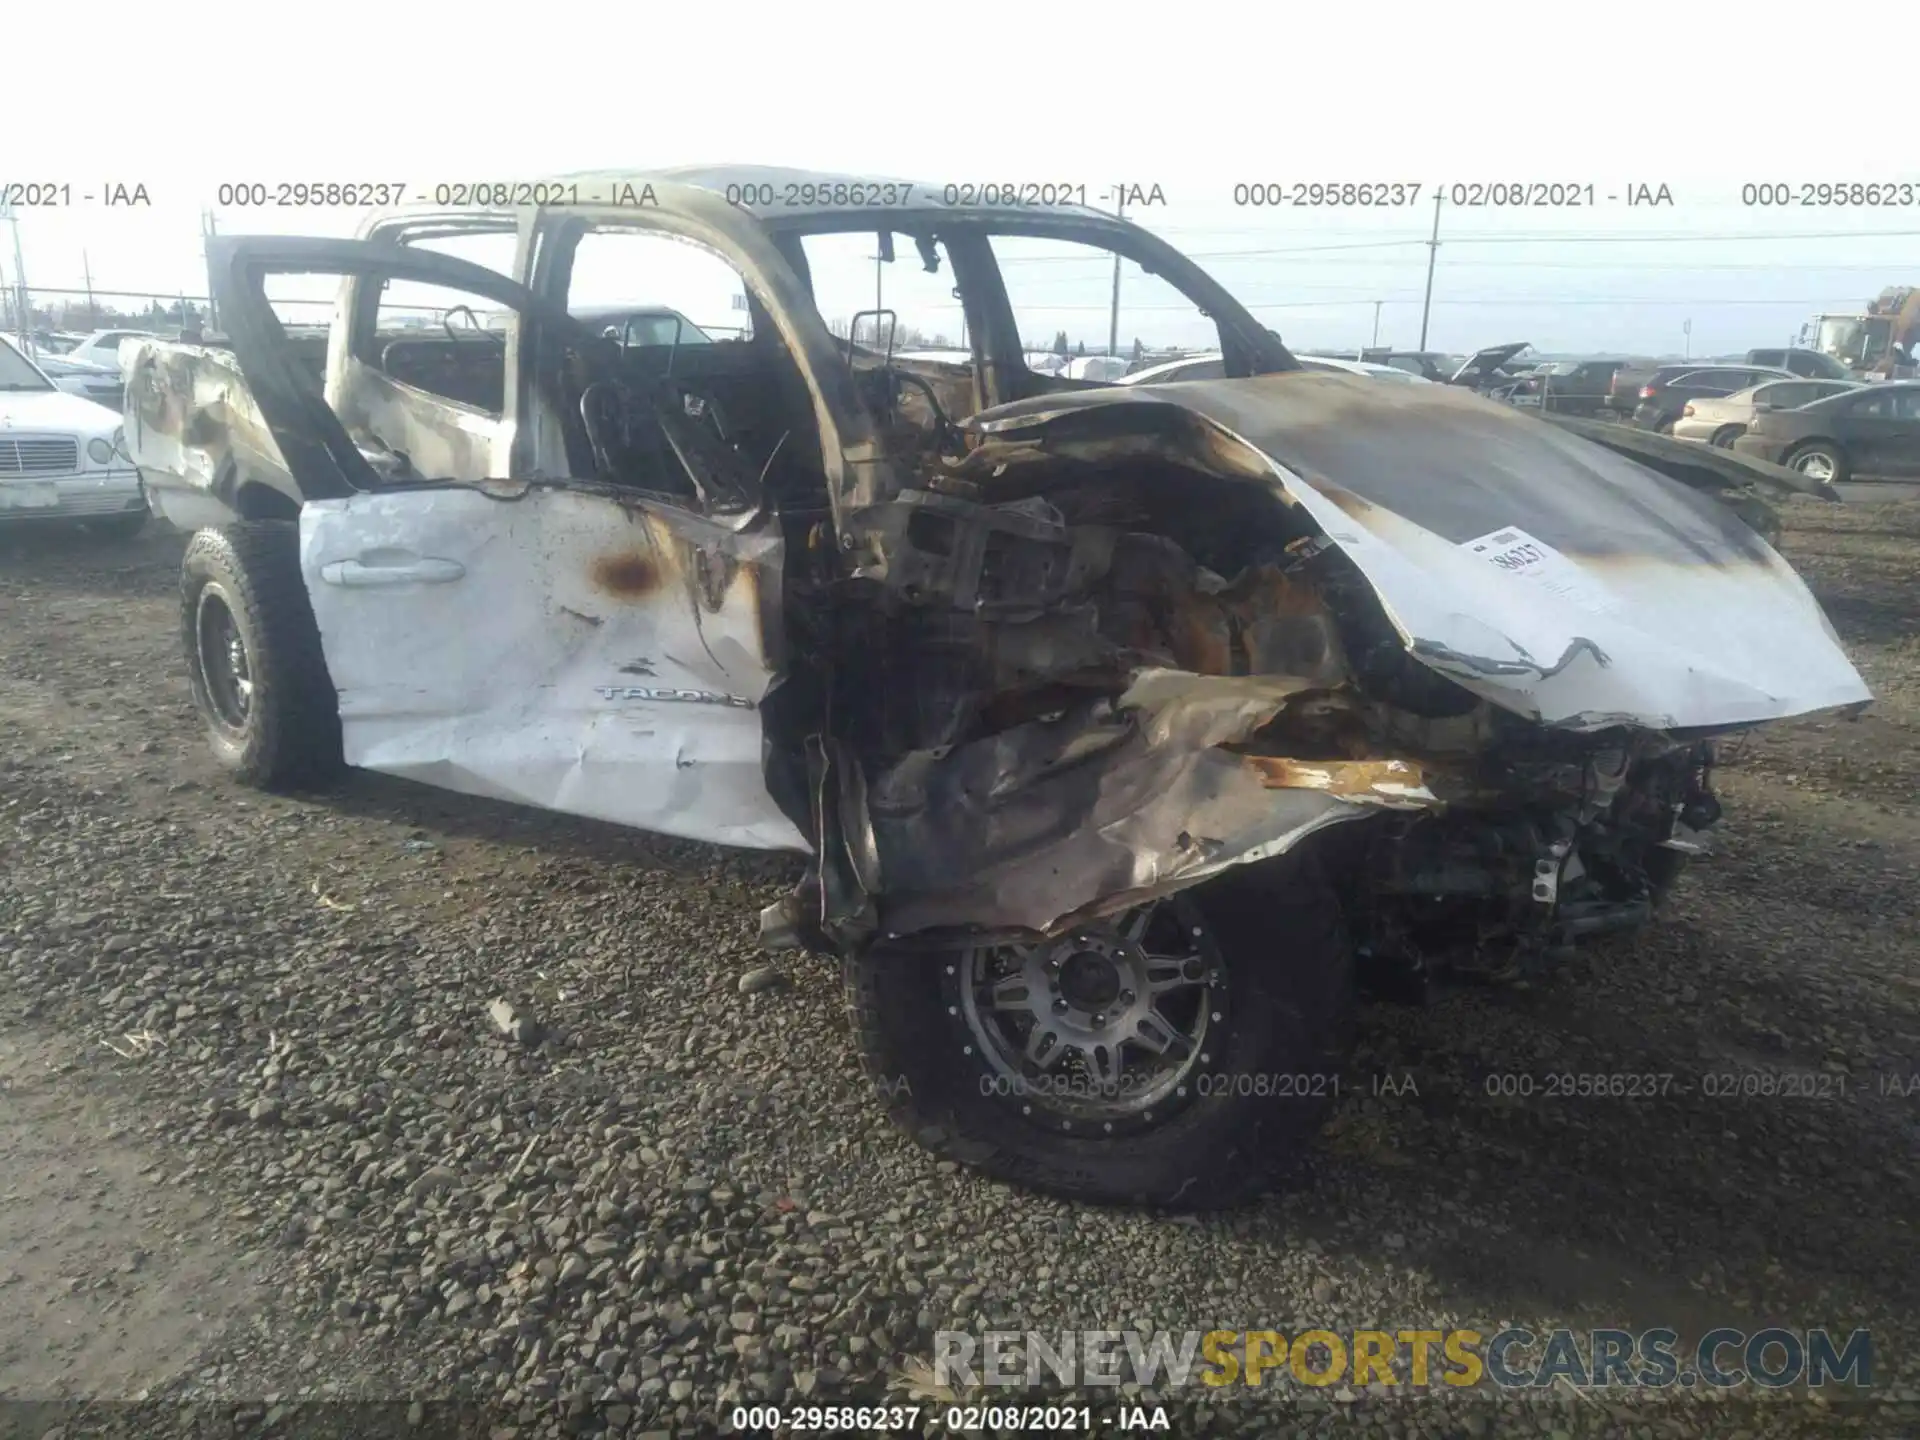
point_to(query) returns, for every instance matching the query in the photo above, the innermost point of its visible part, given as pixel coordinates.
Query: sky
(1196, 102)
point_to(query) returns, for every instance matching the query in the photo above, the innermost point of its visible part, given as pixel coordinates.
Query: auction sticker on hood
(1515, 553)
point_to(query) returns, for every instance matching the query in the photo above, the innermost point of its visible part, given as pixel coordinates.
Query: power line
(1537, 239)
(1211, 254)
(1650, 267)
(1369, 296)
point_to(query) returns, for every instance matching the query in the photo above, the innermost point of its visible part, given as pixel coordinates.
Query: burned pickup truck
(1119, 724)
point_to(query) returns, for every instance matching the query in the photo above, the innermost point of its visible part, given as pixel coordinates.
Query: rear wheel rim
(225, 662)
(1105, 1027)
(1815, 465)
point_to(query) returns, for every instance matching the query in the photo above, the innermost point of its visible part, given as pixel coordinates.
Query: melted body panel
(195, 431)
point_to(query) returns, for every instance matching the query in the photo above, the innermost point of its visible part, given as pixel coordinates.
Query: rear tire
(1724, 437)
(1262, 1080)
(1821, 461)
(1664, 869)
(258, 674)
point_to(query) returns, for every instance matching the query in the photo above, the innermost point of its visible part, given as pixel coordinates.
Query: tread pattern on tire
(293, 736)
(893, 1006)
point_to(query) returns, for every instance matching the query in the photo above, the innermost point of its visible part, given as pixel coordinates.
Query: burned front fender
(197, 434)
(1556, 577)
(1136, 636)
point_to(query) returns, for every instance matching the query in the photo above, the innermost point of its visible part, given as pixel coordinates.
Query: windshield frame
(1243, 338)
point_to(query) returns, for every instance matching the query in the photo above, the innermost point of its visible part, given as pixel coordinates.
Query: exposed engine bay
(1103, 674)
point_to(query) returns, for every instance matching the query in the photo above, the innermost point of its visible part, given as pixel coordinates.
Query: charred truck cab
(1118, 722)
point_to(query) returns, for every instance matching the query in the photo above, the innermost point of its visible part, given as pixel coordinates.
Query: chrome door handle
(419, 570)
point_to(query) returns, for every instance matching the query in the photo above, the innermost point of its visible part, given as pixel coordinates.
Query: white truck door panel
(558, 648)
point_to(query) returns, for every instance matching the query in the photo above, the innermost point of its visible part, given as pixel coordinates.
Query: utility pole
(1376, 325)
(209, 227)
(93, 321)
(23, 321)
(1686, 329)
(1113, 314)
(1433, 254)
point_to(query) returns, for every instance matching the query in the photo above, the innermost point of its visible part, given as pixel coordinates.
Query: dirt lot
(259, 1139)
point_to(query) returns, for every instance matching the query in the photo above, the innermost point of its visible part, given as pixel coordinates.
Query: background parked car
(1721, 421)
(1213, 367)
(641, 325)
(1097, 367)
(1566, 387)
(61, 456)
(1809, 363)
(1494, 370)
(1669, 388)
(1870, 430)
(90, 382)
(1427, 364)
(102, 347)
(1205, 366)
(1393, 374)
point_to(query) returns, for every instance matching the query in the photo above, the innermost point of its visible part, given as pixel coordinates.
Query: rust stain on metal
(628, 574)
(1358, 508)
(712, 573)
(1388, 778)
(1201, 635)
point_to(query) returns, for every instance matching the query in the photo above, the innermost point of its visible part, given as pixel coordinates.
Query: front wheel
(1822, 462)
(254, 662)
(1177, 1055)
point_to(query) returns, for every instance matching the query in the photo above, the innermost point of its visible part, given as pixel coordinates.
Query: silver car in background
(1211, 366)
(90, 382)
(1720, 420)
(61, 455)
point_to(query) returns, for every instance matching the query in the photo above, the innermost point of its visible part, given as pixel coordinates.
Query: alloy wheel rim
(1108, 1024)
(1815, 465)
(224, 660)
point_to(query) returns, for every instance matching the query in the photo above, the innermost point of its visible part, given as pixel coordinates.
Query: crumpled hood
(1557, 578)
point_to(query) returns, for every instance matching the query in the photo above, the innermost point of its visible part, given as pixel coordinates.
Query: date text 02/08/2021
(1470, 195)
(952, 1419)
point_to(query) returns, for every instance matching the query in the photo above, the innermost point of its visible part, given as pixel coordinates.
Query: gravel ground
(262, 1138)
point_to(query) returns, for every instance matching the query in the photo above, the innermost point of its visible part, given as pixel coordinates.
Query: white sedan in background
(61, 456)
(89, 382)
(102, 347)
(1719, 421)
(1212, 367)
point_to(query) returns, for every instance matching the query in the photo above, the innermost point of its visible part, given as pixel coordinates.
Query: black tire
(1724, 437)
(1664, 869)
(123, 526)
(1269, 1079)
(1664, 425)
(286, 731)
(1836, 459)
